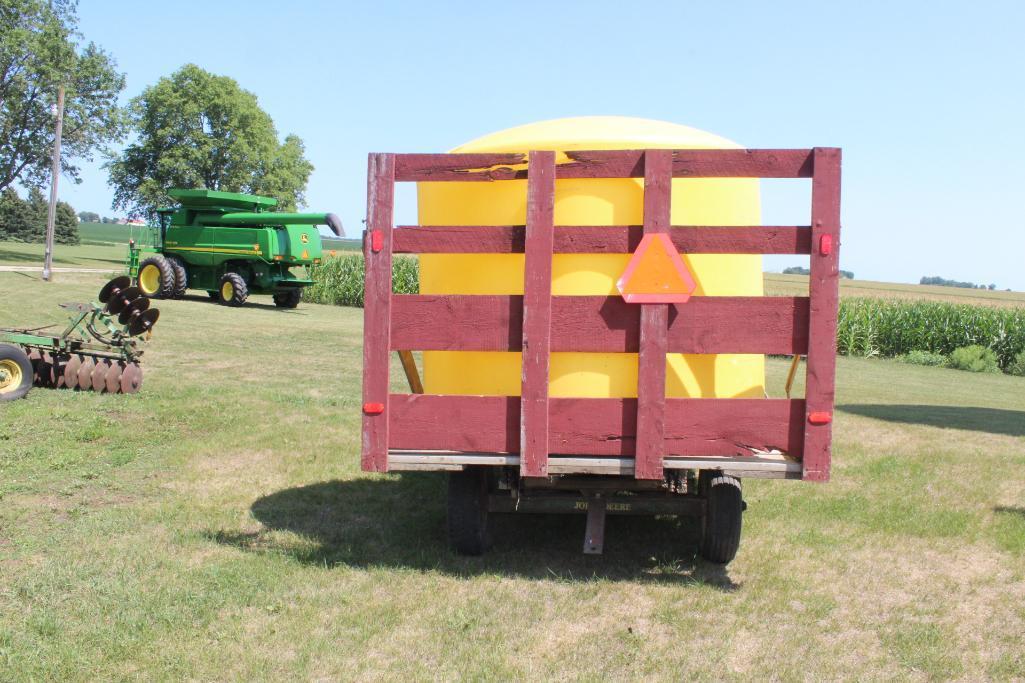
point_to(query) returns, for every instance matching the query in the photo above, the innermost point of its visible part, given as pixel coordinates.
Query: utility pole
(51, 215)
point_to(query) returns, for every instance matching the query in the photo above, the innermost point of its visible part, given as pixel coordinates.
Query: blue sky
(927, 99)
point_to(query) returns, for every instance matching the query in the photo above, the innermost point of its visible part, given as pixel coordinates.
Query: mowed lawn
(216, 526)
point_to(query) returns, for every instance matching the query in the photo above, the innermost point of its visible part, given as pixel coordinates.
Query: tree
(89, 216)
(198, 130)
(15, 217)
(39, 51)
(65, 225)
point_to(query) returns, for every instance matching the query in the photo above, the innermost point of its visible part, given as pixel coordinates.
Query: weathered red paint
(377, 310)
(603, 239)
(823, 294)
(600, 324)
(605, 427)
(654, 339)
(597, 426)
(537, 315)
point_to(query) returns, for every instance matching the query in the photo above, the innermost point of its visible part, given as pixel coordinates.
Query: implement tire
(287, 298)
(720, 537)
(156, 277)
(15, 373)
(181, 277)
(468, 532)
(232, 290)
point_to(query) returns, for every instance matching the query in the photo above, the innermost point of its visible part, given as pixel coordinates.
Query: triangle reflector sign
(656, 274)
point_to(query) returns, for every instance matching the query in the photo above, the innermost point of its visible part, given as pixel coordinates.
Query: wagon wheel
(113, 377)
(71, 371)
(15, 372)
(99, 375)
(85, 373)
(724, 507)
(468, 531)
(131, 378)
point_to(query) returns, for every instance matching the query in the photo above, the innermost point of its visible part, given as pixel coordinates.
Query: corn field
(339, 281)
(891, 327)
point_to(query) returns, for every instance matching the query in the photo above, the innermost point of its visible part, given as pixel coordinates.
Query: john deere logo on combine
(304, 238)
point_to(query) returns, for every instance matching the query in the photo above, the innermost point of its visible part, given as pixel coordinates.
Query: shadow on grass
(400, 522)
(991, 420)
(1006, 510)
(204, 298)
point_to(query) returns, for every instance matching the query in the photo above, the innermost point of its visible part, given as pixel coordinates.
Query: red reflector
(826, 245)
(373, 408)
(376, 241)
(820, 418)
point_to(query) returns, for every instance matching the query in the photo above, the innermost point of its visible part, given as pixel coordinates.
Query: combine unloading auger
(98, 350)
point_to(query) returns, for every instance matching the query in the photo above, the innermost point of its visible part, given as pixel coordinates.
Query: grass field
(216, 526)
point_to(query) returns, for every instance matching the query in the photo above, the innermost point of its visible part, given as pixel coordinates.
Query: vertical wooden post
(823, 299)
(377, 243)
(51, 214)
(537, 313)
(651, 361)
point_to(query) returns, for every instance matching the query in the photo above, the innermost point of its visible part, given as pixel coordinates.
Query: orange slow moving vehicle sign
(656, 274)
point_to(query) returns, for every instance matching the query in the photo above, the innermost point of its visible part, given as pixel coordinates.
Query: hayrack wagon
(642, 453)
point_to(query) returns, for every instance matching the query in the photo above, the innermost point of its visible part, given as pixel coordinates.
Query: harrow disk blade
(113, 378)
(44, 370)
(143, 322)
(123, 299)
(99, 375)
(131, 378)
(34, 357)
(85, 372)
(71, 371)
(113, 287)
(57, 371)
(140, 305)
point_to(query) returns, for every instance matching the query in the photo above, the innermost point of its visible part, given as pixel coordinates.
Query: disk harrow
(97, 351)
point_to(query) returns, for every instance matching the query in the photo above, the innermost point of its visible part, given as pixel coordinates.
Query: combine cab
(229, 245)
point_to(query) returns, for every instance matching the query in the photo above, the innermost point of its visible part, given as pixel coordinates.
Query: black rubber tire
(720, 536)
(239, 289)
(287, 298)
(468, 532)
(166, 287)
(181, 277)
(14, 354)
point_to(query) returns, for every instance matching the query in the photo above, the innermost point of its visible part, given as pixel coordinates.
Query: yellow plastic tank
(695, 201)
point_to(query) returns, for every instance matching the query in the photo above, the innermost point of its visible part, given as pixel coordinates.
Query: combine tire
(233, 290)
(15, 373)
(287, 298)
(156, 277)
(720, 536)
(468, 511)
(181, 277)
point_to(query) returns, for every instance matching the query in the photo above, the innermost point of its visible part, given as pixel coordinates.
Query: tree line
(943, 282)
(24, 220)
(191, 129)
(798, 270)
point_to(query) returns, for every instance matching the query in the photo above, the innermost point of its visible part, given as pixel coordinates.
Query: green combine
(230, 245)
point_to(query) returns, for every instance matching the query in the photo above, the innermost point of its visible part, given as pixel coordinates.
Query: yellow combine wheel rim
(227, 291)
(10, 376)
(149, 279)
